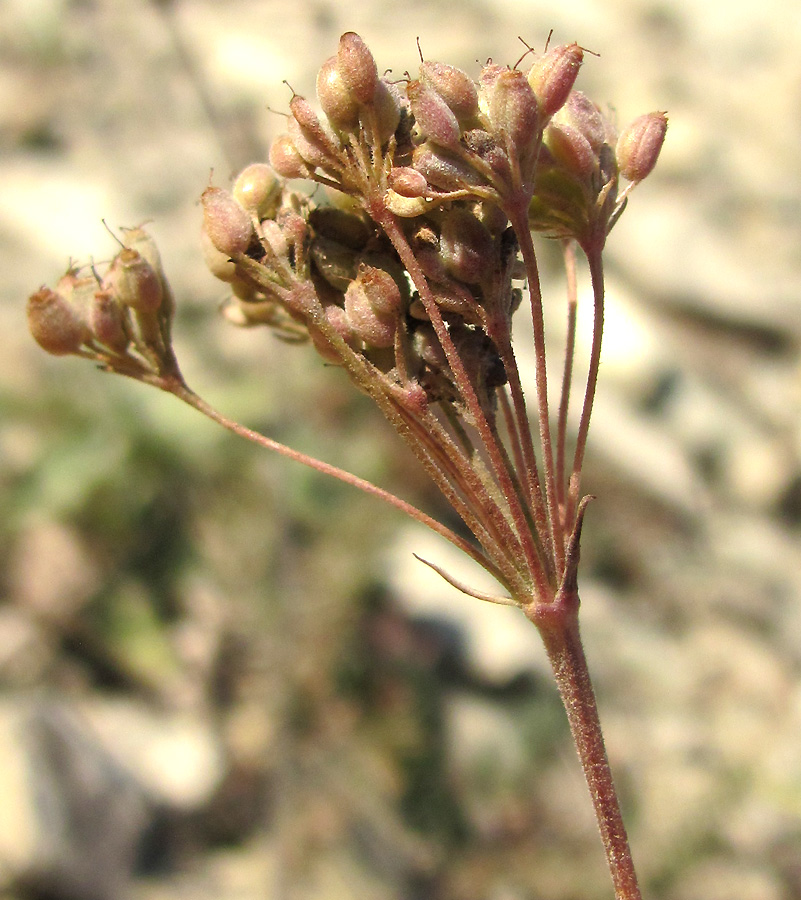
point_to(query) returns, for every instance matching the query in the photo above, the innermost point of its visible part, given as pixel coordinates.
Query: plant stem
(558, 624)
(569, 250)
(597, 275)
(518, 217)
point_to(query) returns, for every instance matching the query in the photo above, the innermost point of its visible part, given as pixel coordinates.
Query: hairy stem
(518, 216)
(178, 388)
(558, 625)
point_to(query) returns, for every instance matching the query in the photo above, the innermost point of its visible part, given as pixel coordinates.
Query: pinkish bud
(569, 147)
(582, 114)
(639, 144)
(286, 159)
(407, 181)
(337, 318)
(314, 153)
(512, 108)
(357, 67)
(375, 330)
(434, 117)
(227, 224)
(336, 100)
(257, 190)
(134, 282)
(54, 323)
(553, 75)
(442, 170)
(387, 110)
(310, 126)
(466, 246)
(455, 87)
(381, 290)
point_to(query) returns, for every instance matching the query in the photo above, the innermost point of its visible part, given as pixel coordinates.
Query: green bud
(582, 114)
(387, 110)
(442, 170)
(512, 109)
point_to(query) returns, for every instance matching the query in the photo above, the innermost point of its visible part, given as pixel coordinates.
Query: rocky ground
(205, 691)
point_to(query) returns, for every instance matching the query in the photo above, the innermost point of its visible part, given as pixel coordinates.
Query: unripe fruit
(134, 282)
(227, 224)
(336, 100)
(258, 190)
(639, 145)
(553, 75)
(357, 67)
(54, 323)
(455, 87)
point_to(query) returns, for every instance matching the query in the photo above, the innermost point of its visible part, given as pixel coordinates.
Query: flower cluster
(407, 272)
(404, 267)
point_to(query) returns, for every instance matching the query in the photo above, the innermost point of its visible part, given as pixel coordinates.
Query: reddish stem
(567, 373)
(558, 625)
(597, 275)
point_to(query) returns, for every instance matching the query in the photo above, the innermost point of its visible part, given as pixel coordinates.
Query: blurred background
(225, 676)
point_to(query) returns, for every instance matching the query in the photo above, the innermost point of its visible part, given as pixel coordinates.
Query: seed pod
(386, 103)
(375, 330)
(570, 148)
(257, 190)
(466, 246)
(357, 67)
(334, 261)
(54, 323)
(512, 109)
(227, 224)
(433, 116)
(455, 87)
(336, 101)
(107, 321)
(381, 290)
(286, 159)
(134, 282)
(553, 75)
(583, 115)
(407, 181)
(639, 145)
(442, 170)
